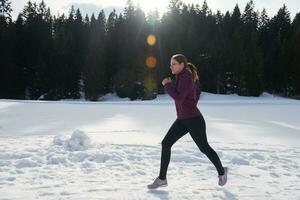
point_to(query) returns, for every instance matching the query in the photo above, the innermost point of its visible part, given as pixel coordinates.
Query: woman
(186, 94)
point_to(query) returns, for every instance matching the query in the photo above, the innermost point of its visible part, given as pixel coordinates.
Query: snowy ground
(111, 149)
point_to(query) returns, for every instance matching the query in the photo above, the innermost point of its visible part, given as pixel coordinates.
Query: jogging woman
(186, 93)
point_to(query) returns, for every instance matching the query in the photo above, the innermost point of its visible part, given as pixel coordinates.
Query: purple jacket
(186, 95)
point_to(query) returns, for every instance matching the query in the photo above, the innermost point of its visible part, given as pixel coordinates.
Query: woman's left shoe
(223, 178)
(158, 183)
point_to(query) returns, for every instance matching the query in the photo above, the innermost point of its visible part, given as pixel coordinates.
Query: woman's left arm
(179, 94)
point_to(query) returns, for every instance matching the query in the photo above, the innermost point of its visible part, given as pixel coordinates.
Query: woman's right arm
(179, 94)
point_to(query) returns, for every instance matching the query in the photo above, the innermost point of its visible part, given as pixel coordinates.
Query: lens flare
(151, 61)
(151, 40)
(150, 83)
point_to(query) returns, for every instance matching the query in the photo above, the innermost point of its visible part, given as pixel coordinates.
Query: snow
(111, 149)
(78, 141)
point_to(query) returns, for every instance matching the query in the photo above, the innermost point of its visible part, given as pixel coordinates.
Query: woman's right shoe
(223, 178)
(158, 183)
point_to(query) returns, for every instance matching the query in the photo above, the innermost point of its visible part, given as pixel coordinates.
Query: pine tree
(124, 79)
(217, 63)
(95, 71)
(235, 20)
(58, 56)
(263, 30)
(66, 63)
(263, 19)
(70, 52)
(250, 76)
(36, 47)
(250, 17)
(128, 79)
(278, 65)
(9, 79)
(205, 9)
(295, 54)
(170, 23)
(112, 49)
(5, 10)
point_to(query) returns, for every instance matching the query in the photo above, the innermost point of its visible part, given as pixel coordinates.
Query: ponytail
(193, 69)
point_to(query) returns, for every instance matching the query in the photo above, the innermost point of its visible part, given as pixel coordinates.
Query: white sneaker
(158, 183)
(223, 178)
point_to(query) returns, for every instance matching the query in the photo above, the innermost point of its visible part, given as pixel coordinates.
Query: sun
(151, 5)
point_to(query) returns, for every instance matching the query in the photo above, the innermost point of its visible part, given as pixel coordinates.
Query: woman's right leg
(197, 128)
(176, 131)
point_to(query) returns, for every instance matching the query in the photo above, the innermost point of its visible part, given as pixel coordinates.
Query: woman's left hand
(166, 80)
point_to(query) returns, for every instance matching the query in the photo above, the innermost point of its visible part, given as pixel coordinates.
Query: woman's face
(175, 66)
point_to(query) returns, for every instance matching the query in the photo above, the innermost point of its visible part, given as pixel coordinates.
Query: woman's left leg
(197, 129)
(176, 131)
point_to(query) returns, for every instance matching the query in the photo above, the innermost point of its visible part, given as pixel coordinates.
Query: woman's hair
(192, 68)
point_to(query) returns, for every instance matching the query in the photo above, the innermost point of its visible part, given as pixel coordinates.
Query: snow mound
(79, 141)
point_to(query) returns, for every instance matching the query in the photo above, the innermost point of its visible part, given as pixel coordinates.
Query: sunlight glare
(147, 6)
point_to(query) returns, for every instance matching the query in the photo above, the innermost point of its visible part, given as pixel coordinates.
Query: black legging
(197, 129)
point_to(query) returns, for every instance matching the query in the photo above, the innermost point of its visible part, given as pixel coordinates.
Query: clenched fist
(166, 80)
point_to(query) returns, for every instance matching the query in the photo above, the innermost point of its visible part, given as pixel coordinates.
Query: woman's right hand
(166, 80)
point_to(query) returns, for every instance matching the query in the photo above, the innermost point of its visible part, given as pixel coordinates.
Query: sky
(90, 6)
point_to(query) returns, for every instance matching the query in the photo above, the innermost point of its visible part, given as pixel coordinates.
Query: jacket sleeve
(181, 91)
